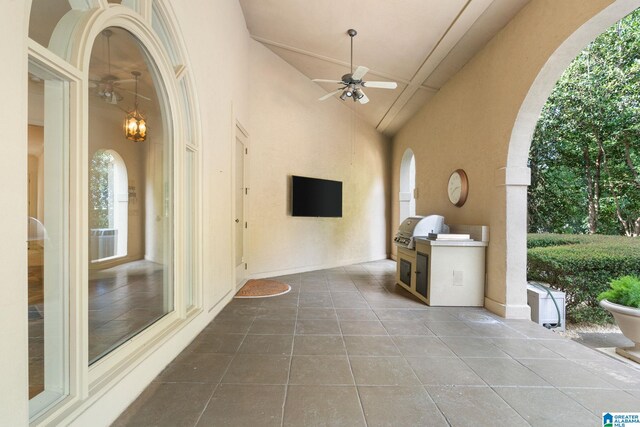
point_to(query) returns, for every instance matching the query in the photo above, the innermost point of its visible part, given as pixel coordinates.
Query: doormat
(262, 288)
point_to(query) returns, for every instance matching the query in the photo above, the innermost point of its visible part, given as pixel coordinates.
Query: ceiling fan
(107, 85)
(352, 83)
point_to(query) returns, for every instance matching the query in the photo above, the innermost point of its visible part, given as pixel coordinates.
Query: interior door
(240, 217)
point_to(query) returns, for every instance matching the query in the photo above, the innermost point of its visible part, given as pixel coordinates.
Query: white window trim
(69, 55)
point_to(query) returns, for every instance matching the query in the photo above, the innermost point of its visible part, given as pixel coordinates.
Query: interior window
(130, 270)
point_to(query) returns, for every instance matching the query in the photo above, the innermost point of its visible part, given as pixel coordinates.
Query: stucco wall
(292, 133)
(468, 125)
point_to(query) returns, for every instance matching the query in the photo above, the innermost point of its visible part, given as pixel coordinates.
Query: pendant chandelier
(135, 126)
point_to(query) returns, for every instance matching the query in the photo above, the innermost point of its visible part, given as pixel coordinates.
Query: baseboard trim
(284, 272)
(508, 311)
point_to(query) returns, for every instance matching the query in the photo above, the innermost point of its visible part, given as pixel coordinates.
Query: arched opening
(407, 200)
(109, 206)
(516, 175)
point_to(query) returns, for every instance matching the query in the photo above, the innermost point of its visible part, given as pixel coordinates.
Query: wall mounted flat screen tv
(316, 197)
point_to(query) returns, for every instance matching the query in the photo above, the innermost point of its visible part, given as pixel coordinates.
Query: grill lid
(418, 226)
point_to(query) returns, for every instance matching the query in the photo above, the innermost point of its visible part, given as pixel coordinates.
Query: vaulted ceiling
(418, 43)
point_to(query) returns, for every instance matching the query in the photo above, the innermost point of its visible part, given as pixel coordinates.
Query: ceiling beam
(328, 59)
(463, 22)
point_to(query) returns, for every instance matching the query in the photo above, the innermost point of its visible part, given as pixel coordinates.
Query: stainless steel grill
(418, 226)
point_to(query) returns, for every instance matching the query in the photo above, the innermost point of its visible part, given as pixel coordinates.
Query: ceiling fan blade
(381, 85)
(327, 81)
(124, 81)
(363, 99)
(359, 73)
(133, 93)
(329, 95)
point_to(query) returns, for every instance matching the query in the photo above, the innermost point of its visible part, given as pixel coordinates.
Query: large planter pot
(628, 319)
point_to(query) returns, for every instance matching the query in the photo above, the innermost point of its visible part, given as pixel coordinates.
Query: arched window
(109, 206)
(130, 270)
(407, 185)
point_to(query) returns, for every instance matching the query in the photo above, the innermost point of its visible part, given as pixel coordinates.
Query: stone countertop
(457, 243)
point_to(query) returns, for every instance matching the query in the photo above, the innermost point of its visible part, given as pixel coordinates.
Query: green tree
(586, 147)
(100, 195)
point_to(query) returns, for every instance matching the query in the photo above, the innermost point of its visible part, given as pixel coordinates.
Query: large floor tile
(406, 327)
(382, 371)
(599, 401)
(422, 346)
(316, 313)
(229, 326)
(285, 313)
(362, 327)
(348, 300)
(309, 345)
(504, 372)
(443, 371)
(450, 329)
(564, 373)
(167, 405)
(230, 405)
(258, 369)
(322, 406)
(272, 327)
(267, 344)
(473, 347)
(474, 406)
(316, 299)
(395, 314)
(524, 348)
(329, 370)
(196, 368)
(547, 406)
(317, 327)
(356, 314)
(399, 406)
(361, 345)
(216, 343)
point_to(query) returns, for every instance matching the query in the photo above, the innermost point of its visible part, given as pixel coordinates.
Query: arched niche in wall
(407, 201)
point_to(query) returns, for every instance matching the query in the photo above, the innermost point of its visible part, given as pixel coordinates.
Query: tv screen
(316, 197)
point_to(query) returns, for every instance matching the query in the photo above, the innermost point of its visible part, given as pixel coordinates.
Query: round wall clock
(458, 187)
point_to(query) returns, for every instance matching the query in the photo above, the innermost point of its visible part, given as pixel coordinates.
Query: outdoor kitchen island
(446, 272)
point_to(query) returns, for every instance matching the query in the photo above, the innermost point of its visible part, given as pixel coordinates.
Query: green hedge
(582, 267)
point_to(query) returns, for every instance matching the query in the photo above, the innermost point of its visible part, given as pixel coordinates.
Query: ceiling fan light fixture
(344, 95)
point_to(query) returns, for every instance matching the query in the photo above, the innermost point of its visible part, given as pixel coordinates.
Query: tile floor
(346, 347)
(123, 300)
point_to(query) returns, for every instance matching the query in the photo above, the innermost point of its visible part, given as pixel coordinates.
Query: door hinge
(246, 225)
(245, 265)
(246, 191)
(246, 151)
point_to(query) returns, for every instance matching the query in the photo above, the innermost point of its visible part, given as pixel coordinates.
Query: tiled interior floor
(123, 300)
(346, 347)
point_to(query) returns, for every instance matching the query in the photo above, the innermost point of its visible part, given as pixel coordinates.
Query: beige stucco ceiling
(418, 43)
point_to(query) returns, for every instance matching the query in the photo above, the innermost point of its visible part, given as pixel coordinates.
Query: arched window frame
(68, 56)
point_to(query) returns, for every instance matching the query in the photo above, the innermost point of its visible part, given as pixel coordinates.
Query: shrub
(546, 240)
(583, 270)
(624, 291)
